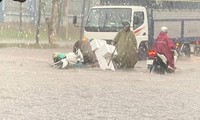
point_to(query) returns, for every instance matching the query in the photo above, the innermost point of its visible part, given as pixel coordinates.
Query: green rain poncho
(126, 46)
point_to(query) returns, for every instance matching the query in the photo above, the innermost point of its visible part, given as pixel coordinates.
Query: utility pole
(82, 20)
(89, 5)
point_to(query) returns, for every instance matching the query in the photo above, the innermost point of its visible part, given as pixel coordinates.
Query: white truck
(104, 22)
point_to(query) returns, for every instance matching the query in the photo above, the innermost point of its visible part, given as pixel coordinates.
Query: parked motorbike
(197, 48)
(157, 63)
(183, 48)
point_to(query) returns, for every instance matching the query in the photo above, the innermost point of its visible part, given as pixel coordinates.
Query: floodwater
(31, 90)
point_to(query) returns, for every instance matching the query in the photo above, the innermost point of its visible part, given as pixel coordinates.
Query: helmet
(164, 29)
(126, 23)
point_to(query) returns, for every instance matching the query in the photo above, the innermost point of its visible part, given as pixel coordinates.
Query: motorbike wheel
(151, 69)
(57, 65)
(160, 70)
(157, 69)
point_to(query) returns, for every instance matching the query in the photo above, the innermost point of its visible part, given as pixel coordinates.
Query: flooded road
(30, 89)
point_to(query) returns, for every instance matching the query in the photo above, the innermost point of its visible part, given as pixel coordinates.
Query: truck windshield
(107, 19)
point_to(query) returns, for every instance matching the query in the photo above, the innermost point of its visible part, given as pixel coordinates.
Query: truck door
(138, 23)
(141, 31)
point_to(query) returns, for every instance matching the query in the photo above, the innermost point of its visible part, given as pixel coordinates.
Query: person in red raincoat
(164, 45)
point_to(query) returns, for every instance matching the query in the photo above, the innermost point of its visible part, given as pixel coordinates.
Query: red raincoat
(164, 45)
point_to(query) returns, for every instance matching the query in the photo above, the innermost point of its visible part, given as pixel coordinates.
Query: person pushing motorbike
(126, 47)
(164, 45)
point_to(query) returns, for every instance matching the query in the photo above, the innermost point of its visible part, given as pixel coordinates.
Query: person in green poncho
(126, 47)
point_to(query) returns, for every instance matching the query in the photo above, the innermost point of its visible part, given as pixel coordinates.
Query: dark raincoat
(126, 46)
(85, 48)
(164, 45)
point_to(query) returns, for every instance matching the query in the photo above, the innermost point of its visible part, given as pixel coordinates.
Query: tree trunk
(65, 12)
(52, 24)
(38, 23)
(60, 15)
(20, 28)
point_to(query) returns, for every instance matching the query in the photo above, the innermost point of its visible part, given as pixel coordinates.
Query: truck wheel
(142, 51)
(197, 51)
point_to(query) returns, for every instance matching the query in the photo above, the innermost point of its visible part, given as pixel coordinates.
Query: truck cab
(104, 22)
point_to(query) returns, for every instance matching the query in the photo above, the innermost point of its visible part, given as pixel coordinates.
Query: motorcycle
(63, 61)
(185, 49)
(157, 63)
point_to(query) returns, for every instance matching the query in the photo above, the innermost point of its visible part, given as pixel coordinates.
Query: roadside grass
(30, 45)
(10, 36)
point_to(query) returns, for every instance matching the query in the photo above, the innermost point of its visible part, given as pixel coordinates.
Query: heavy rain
(99, 60)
